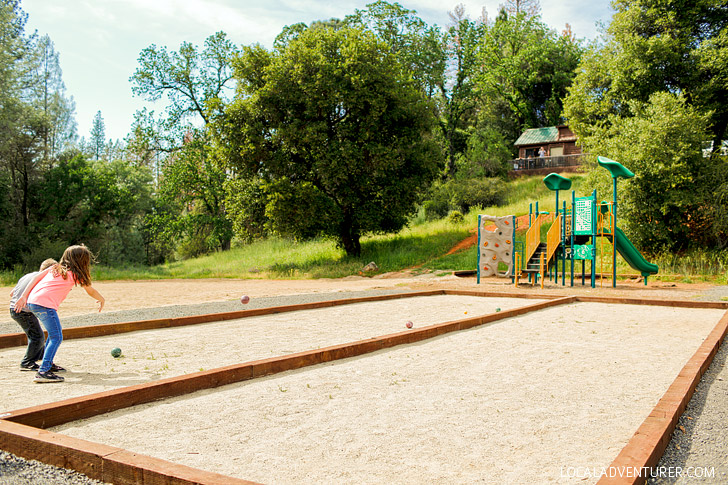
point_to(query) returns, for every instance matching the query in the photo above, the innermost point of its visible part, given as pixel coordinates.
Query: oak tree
(339, 131)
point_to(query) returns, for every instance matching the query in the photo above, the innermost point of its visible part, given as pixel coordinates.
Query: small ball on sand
(409, 324)
(244, 299)
(116, 352)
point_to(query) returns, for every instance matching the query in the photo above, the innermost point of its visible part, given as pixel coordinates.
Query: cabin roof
(535, 136)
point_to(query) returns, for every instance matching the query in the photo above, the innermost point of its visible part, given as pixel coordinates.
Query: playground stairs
(534, 264)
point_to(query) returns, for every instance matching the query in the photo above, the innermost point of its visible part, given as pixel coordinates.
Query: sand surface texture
(514, 401)
(155, 354)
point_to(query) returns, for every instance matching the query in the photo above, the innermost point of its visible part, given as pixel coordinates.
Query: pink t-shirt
(52, 290)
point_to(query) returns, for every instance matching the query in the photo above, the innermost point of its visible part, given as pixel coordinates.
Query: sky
(99, 41)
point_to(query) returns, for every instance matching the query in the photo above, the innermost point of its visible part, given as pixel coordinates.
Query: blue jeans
(36, 340)
(49, 318)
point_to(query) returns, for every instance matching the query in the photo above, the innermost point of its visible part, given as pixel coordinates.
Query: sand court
(156, 354)
(517, 400)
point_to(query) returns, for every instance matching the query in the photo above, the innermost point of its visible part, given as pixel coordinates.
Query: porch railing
(546, 162)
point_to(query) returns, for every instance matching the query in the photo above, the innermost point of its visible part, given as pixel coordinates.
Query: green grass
(283, 259)
(695, 265)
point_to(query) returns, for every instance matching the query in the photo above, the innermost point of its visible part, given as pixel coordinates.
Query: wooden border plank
(493, 294)
(60, 412)
(89, 331)
(654, 302)
(101, 462)
(648, 444)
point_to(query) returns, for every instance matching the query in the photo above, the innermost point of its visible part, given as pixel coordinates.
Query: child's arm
(93, 293)
(24, 297)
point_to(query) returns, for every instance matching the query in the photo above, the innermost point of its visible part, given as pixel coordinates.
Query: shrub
(456, 217)
(462, 195)
(438, 205)
(476, 192)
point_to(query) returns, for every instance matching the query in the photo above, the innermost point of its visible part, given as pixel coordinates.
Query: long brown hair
(76, 259)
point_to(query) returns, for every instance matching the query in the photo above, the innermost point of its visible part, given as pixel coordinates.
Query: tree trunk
(24, 202)
(225, 244)
(349, 236)
(452, 120)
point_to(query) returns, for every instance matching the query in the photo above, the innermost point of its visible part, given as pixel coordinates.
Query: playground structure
(577, 231)
(496, 247)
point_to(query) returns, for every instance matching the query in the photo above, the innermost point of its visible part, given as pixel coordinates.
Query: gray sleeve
(21, 286)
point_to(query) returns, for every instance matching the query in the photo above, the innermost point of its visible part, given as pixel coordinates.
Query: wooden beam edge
(646, 447)
(99, 461)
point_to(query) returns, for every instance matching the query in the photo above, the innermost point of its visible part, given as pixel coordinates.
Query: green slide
(633, 257)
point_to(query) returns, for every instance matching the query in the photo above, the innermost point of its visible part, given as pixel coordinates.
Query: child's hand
(95, 295)
(20, 304)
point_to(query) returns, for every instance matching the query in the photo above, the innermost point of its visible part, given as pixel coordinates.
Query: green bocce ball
(115, 352)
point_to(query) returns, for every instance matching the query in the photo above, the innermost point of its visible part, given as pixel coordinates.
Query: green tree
(525, 71)
(124, 241)
(441, 62)
(49, 97)
(332, 122)
(660, 76)
(51, 194)
(13, 46)
(416, 45)
(193, 181)
(76, 201)
(98, 136)
(196, 83)
(457, 98)
(21, 126)
(31, 124)
(653, 46)
(667, 205)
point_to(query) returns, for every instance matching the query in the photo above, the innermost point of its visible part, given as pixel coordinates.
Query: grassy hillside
(421, 247)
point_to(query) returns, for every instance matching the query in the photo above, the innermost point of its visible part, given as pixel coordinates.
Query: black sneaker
(57, 368)
(32, 366)
(44, 377)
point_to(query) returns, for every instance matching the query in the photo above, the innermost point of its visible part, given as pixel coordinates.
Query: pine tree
(98, 135)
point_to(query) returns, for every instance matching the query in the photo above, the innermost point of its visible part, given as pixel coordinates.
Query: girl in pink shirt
(44, 295)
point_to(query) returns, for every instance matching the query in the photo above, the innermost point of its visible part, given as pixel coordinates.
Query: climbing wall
(495, 245)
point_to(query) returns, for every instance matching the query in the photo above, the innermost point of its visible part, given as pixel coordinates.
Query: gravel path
(700, 440)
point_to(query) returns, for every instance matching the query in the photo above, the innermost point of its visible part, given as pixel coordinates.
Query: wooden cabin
(551, 147)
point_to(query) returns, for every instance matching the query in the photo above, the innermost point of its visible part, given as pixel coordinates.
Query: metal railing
(546, 162)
